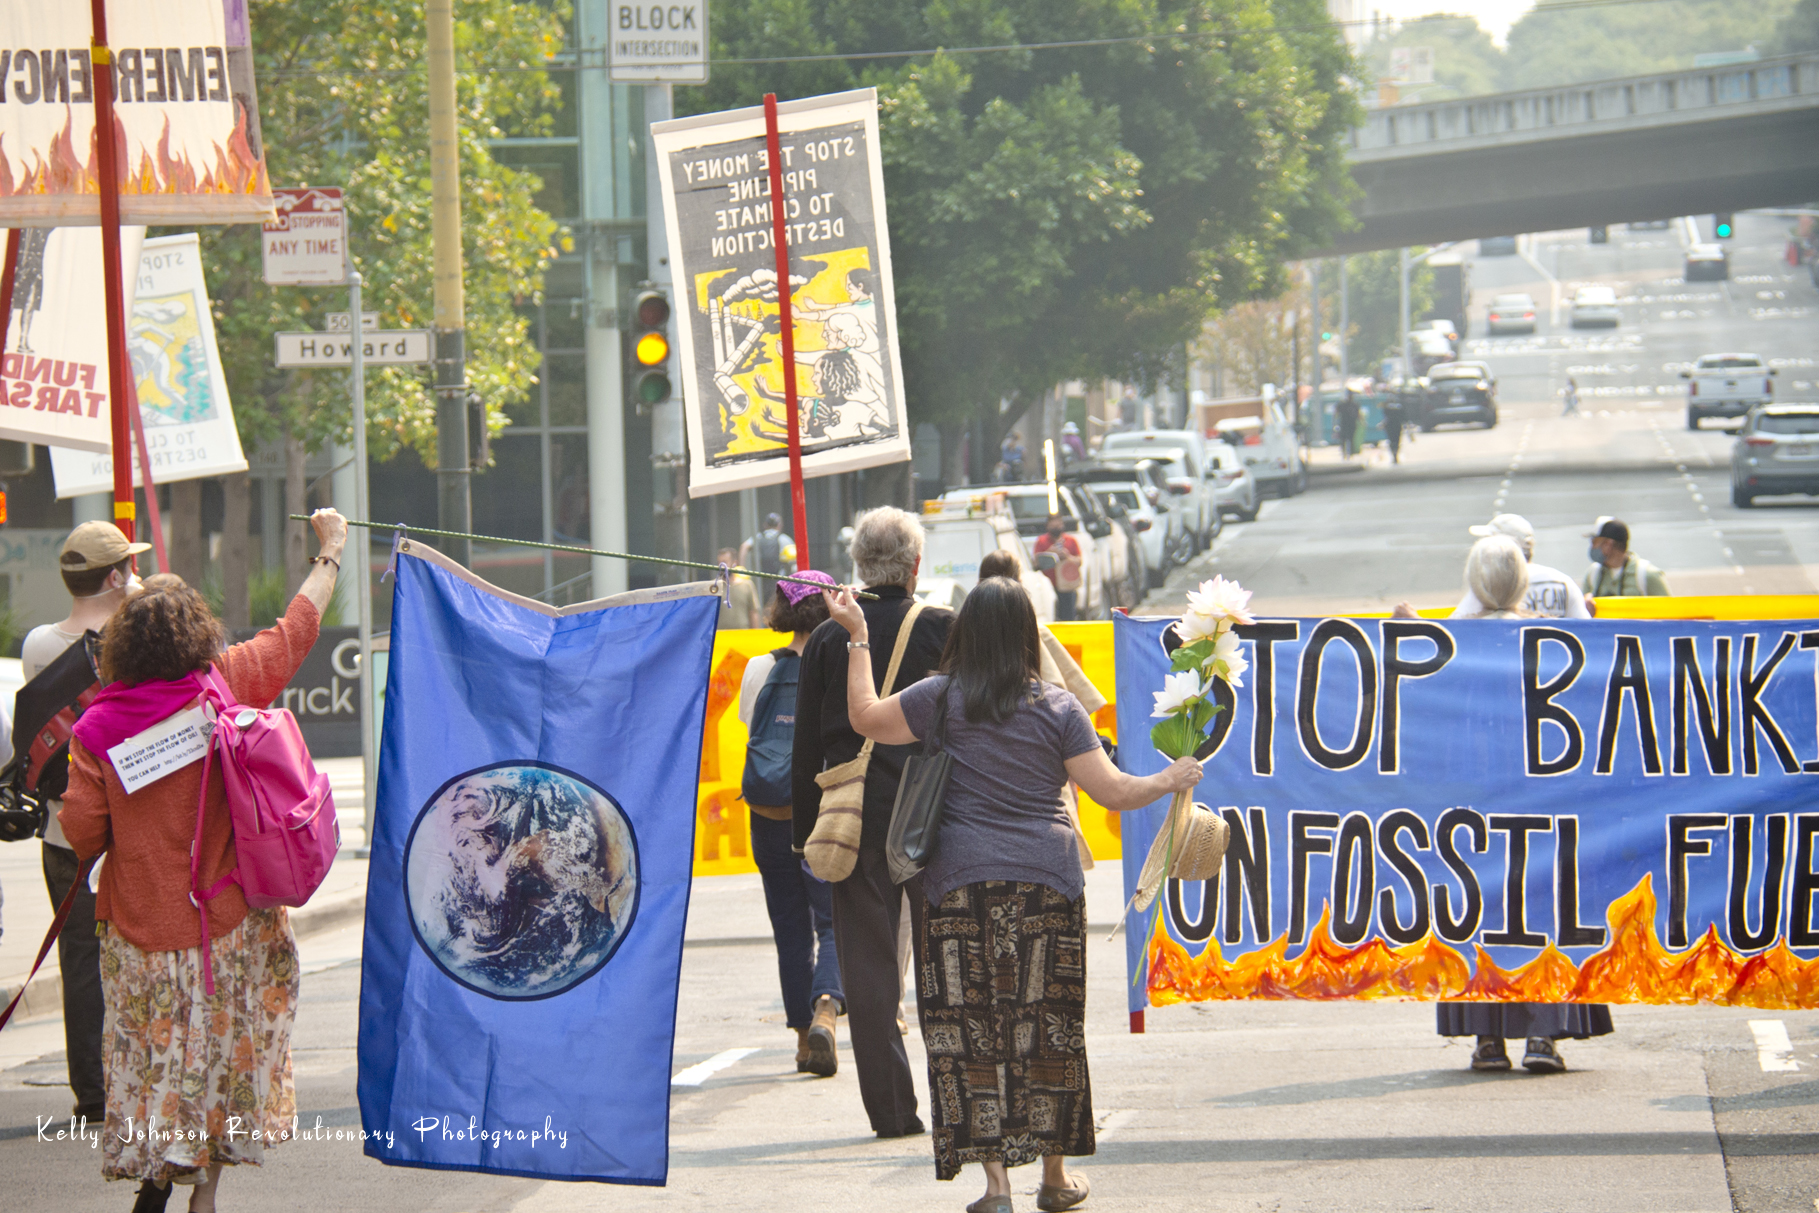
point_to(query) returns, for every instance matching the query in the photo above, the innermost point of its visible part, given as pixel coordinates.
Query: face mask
(1595, 554)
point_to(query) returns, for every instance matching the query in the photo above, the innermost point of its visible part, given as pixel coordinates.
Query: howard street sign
(379, 347)
(657, 43)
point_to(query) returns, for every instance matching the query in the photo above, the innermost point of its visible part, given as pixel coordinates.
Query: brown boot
(802, 1051)
(820, 1040)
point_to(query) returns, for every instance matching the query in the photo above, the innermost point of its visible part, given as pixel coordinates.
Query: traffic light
(1600, 235)
(650, 382)
(1723, 227)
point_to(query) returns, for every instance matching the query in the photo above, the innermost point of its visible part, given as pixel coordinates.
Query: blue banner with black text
(530, 876)
(1497, 810)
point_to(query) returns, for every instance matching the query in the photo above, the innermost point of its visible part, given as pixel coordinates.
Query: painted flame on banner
(1633, 968)
(236, 170)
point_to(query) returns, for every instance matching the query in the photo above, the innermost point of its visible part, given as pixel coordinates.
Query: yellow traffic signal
(652, 349)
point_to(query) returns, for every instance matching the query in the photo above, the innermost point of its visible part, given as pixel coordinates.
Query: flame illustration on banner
(236, 169)
(1633, 968)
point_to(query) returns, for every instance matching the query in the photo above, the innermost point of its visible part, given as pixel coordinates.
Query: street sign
(390, 347)
(652, 43)
(306, 245)
(342, 322)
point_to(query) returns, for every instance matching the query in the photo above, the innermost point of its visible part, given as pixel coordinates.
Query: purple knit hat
(795, 591)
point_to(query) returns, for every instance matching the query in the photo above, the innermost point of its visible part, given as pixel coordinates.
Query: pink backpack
(285, 831)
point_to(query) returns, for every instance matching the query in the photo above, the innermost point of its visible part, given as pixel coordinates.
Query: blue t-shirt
(1004, 817)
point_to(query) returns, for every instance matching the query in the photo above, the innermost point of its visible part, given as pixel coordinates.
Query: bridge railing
(1791, 81)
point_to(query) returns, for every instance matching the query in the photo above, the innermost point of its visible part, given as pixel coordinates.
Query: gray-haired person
(887, 554)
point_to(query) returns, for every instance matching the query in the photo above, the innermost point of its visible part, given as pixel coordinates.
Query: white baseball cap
(1514, 525)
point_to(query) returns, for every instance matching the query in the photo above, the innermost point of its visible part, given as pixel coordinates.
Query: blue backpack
(773, 735)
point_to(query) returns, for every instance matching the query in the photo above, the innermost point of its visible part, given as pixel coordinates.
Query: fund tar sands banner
(186, 114)
(1495, 810)
(717, 201)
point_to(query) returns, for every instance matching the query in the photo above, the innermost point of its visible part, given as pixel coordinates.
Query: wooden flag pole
(145, 478)
(780, 243)
(7, 277)
(119, 368)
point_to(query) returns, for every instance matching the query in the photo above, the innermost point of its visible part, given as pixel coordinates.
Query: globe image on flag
(521, 879)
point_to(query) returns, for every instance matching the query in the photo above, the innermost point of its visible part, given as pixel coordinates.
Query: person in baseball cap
(1617, 572)
(94, 546)
(1550, 592)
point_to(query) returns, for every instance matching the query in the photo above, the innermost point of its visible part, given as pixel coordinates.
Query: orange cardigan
(144, 886)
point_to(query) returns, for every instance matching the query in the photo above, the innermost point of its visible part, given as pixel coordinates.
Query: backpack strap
(62, 916)
(216, 692)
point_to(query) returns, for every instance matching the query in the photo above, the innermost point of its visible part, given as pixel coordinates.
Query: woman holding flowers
(1001, 941)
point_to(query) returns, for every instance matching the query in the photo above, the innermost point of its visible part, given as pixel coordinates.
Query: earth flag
(530, 876)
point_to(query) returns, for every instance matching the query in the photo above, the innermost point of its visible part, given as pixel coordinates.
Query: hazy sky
(1494, 15)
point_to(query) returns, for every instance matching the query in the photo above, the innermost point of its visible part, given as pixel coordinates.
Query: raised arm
(331, 534)
(1121, 793)
(880, 720)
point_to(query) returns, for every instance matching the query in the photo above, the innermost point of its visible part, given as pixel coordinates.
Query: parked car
(1455, 392)
(1707, 263)
(1182, 453)
(1441, 325)
(1234, 487)
(1726, 385)
(1102, 562)
(1510, 314)
(1140, 488)
(1128, 561)
(1595, 307)
(1777, 451)
(959, 534)
(1269, 446)
(1497, 246)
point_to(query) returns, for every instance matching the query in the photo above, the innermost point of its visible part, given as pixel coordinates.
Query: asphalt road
(1368, 539)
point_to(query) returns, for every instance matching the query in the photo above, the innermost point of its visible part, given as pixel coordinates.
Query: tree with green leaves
(1374, 310)
(1466, 62)
(1560, 44)
(1799, 30)
(1074, 212)
(343, 102)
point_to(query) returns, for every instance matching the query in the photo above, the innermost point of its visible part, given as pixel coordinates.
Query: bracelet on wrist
(858, 644)
(326, 560)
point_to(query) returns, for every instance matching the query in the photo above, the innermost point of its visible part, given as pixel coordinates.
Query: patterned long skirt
(1002, 996)
(193, 1080)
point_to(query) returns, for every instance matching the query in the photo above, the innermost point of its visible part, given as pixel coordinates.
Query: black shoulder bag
(916, 817)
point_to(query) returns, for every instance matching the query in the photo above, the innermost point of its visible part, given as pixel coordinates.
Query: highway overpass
(1609, 151)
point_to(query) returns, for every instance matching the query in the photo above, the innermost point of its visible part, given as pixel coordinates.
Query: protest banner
(530, 876)
(186, 117)
(715, 175)
(54, 371)
(183, 401)
(1494, 810)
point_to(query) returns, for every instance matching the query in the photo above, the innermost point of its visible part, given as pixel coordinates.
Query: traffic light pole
(787, 321)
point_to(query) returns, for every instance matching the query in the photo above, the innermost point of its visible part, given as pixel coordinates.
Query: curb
(44, 993)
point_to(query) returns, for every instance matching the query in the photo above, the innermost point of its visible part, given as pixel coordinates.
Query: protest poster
(1493, 810)
(530, 875)
(53, 373)
(183, 401)
(714, 170)
(185, 110)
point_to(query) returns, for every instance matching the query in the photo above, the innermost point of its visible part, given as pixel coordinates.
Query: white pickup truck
(1726, 385)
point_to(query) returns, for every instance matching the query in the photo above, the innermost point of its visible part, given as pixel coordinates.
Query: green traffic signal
(1723, 226)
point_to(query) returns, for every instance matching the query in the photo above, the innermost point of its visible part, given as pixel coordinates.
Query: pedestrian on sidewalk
(195, 1081)
(1550, 592)
(887, 554)
(1570, 398)
(1392, 426)
(96, 563)
(1497, 574)
(1617, 572)
(1067, 573)
(1002, 984)
(801, 905)
(1345, 422)
(763, 552)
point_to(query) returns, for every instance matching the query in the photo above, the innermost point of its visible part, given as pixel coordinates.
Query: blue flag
(530, 877)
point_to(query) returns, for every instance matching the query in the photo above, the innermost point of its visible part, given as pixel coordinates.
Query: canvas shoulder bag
(833, 846)
(916, 817)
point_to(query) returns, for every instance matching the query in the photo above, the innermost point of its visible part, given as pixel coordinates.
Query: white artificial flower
(1178, 690)
(1193, 626)
(1221, 600)
(1231, 668)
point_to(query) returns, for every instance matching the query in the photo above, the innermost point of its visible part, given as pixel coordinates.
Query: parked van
(1268, 445)
(1182, 453)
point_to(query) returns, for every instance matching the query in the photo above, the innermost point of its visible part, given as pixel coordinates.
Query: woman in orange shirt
(194, 1082)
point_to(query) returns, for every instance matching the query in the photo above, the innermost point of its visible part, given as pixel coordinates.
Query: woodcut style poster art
(849, 379)
(186, 114)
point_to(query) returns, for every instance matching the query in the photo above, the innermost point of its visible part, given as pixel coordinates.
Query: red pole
(119, 369)
(780, 243)
(145, 478)
(6, 286)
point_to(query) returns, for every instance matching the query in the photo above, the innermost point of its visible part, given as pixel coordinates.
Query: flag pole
(119, 369)
(7, 277)
(780, 243)
(137, 420)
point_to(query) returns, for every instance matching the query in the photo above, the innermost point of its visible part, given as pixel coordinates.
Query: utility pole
(1402, 266)
(669, 447)
(1345, 320)
(454, 473)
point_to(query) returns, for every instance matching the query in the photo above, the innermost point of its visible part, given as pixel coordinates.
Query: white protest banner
(189, 421)
(185, 108)
(168, 745)
(53, 374)
(306, 245)
(716, 198)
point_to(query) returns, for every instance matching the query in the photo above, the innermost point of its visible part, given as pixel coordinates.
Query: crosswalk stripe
(700, 1072)
(1774, 1051)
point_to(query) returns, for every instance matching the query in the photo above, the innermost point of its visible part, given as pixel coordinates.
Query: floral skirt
(192, 1080)
(1002, 998)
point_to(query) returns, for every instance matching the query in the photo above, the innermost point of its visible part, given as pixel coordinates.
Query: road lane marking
(1774, 1051)
(700, 1072)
